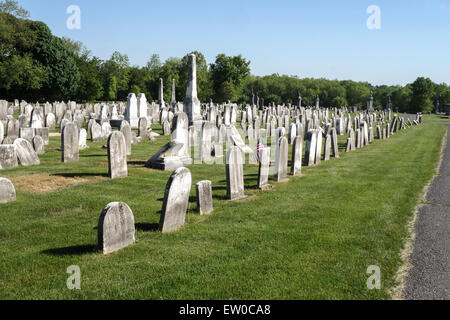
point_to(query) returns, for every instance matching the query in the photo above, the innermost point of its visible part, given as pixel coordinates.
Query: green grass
(311, 238)
(436, 118)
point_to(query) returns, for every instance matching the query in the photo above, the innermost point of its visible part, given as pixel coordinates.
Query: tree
(229, 69)
(422, 91)
(12, 7)
(226, 92)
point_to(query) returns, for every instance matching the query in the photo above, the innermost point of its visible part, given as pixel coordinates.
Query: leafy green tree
(12, 7)
(422, 91)
(229, 69)
(226, 92)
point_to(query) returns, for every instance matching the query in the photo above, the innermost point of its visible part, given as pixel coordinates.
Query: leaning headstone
(117, 156)
(25, 153)
(8, 156)
(234, 174)
(116, 228)
(7, 191)
(38, 144)
(69, 143)
(334, 143)
(297, 152)
(204, 197)
(176, 200)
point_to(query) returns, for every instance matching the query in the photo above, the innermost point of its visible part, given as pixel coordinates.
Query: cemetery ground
(310, 238)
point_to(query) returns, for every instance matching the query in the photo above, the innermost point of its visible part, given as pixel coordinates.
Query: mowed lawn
(311, 238)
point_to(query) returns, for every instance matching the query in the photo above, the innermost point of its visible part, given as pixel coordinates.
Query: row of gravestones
(116, 225)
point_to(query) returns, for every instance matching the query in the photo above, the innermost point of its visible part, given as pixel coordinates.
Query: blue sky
(317, 39)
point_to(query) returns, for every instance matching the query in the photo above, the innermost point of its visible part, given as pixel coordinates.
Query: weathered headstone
(117, 156)
(25, 153)
(204, 197)
(281, 160)
(126, 131)
(310, 148)
(116, 228)
(264, 169)
(69, 143)
(82, 137)
(234, 174)
(176, 200)
(297, 153)
(38, 145)
(27, 133)
(131, 113)
(7, 191)
(8, 156)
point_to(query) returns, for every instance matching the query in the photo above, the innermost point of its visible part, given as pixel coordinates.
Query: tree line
(38, 66)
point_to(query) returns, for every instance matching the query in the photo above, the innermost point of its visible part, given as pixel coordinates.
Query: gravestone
(117, 156)
(319, 146)
(116, 228)
(334, 143)
(69, 143)
(44, 134)
(206, 143)
(25, 153)
(176, 200)
(142, 130)
(27, 133)
(310, 148)
(126, 131)
(82, 137)
(12, 128)
(297, 153)
(166, 128)
(96, 132)
(191, 102)
(7, 191)
(264, 169)
(131, 111)
(327, 150)
(38, 145)
(8, 156)
(234, 174)
(106, 130)
(204, 197)
(281, 161)
(2, 131)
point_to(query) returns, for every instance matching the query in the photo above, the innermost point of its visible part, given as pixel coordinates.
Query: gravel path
(429, 278)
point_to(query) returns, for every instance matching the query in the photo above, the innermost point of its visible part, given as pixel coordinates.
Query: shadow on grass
(137, 163)
(92, 155)
(147, 227)
(74, 175)
(73, 250)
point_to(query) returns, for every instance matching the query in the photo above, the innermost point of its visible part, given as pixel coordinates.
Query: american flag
(259, 148)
